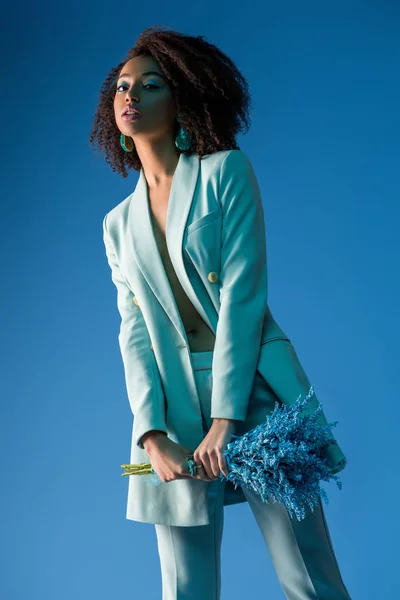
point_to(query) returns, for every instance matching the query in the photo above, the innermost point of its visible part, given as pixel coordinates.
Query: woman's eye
(151, 84)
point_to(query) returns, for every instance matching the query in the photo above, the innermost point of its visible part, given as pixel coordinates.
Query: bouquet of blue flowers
(283, 459)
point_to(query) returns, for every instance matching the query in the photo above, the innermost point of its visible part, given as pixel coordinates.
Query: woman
(203, 356)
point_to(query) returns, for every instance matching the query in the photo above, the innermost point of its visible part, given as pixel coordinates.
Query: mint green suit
(216, 241)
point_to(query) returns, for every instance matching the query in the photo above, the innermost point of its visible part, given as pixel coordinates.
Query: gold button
(135, 300)
(213, 277)
(151, 347)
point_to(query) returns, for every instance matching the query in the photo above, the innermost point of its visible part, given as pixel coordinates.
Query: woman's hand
(168, 459)
(210, 452)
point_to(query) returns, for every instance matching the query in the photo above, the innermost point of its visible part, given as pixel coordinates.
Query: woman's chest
(194, 240)
(158, 210)
(158, 206)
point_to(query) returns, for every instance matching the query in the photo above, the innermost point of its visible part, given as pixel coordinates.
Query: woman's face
(150, 93)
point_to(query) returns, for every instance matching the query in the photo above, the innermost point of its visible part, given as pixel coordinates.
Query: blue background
(324, 145)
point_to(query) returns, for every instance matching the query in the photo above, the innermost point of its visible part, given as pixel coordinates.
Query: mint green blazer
(215, 219)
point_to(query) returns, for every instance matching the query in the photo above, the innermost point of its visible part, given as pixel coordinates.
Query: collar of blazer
(143, 240)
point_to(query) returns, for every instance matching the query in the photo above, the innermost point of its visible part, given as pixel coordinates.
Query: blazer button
(135, 300)
(213, 277)
(151, 347)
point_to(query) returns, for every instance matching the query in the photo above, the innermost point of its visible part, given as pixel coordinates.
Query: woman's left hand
(210, 452)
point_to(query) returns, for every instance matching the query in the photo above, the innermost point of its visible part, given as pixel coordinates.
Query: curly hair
(211, 95)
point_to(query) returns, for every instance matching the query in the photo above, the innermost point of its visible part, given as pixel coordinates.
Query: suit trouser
(301, 551)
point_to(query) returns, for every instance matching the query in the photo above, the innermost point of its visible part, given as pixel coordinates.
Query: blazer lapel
(142, 237)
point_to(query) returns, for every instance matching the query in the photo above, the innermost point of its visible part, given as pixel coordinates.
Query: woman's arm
(243, 288)
(143, 382)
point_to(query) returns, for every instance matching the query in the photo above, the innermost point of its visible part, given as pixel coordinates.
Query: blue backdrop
(324, 145)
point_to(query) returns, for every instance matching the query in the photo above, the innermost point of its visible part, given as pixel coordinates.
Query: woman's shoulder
(226, 163)
(118, 214)
(235, 155)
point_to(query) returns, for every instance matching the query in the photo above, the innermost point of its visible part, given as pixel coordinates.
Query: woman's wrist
(150, 438)
(220, 422)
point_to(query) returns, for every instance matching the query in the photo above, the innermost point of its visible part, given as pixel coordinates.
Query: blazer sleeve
(243, 288)
(143, 381)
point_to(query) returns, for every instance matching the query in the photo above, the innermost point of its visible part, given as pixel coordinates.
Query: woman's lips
(131, 117)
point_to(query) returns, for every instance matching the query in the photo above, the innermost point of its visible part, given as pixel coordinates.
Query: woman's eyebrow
(145, 73)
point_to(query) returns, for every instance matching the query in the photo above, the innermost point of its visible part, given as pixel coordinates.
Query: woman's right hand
(169, 459)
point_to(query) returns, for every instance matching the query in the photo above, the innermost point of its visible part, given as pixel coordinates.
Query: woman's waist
(200, 338)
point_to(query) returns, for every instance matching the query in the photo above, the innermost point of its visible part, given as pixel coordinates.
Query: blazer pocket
(205, 220)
